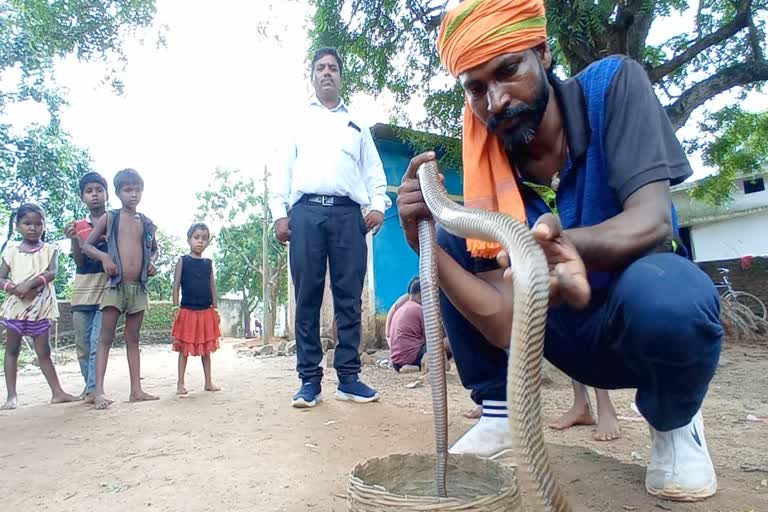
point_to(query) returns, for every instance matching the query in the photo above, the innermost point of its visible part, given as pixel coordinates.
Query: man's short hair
(322, 52)
(127, 177)
(415, 287)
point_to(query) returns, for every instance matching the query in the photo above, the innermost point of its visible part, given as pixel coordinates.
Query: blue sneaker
(356, 391)
(307, 396)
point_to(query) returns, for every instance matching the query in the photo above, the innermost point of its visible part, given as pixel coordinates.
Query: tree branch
(739, 74)
(739, 22)
(698, 18)
(754, 41)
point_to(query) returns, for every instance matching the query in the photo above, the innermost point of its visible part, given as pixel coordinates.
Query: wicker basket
(406, 482)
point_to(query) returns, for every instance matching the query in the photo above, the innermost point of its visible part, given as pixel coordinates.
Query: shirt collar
(341, 107)
(570, 98)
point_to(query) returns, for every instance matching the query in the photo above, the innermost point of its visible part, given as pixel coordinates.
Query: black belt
(327, 200)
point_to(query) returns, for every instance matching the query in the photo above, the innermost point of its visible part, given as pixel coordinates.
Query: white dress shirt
(326, 155)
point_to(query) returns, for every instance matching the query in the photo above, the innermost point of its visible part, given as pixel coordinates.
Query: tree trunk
(246, 316)
(272, 312)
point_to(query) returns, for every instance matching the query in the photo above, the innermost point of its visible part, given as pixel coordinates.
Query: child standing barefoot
(26, 276)
(90, 280)
(196, 326)
(581, 414)
(129, 261)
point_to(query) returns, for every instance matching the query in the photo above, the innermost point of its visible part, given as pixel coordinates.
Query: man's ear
(544, 54)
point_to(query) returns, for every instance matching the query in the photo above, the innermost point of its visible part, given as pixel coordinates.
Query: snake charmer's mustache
(509, 113)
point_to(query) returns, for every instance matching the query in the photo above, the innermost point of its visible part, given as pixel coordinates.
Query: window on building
(753, 186)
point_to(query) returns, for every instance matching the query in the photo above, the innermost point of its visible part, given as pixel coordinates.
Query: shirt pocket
(350, 141)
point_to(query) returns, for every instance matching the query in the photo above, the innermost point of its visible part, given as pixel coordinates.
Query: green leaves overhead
(390, 45)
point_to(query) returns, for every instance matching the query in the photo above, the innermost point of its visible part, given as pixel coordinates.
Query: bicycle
(745, 299)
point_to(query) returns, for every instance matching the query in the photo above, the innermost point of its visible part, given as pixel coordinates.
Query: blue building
(394, 263)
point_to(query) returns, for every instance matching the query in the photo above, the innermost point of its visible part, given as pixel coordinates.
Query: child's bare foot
(212, 387)
(577, 415)
(101, 401)
(607, 423)
(181, 390)
(607, 428)
(63, 398)
(475, 413)
(142, 396)
(10, 404)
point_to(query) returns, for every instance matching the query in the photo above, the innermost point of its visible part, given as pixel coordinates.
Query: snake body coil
(539, 490)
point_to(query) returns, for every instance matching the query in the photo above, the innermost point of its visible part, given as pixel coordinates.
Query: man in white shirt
(331, 170)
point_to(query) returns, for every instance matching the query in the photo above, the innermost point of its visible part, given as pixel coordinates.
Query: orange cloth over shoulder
(472, 33)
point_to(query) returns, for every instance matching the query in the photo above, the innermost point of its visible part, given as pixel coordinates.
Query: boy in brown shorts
(129, 261)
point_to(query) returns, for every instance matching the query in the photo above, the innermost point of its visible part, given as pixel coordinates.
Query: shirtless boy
(129, 261)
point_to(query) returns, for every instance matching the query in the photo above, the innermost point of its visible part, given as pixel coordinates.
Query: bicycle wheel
(752, 303)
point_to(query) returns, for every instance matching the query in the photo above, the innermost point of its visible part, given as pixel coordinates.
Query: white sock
(494, 410)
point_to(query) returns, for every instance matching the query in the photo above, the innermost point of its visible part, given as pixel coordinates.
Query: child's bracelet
(45, 281)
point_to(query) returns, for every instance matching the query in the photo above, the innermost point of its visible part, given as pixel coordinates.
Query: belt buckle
(327, 200)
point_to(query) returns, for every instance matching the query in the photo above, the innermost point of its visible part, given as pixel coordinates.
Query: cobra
(538, 487)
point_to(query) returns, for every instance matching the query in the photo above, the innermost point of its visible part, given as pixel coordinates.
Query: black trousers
(335, 234)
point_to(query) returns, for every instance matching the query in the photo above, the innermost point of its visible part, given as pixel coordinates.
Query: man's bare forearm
(480, 302)
(615, 243)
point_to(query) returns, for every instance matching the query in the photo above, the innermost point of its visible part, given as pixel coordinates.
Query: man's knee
(671, 305)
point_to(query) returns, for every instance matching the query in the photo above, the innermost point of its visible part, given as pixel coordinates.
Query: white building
(738, 228)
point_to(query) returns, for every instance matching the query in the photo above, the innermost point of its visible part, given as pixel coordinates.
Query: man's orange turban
(472, 33)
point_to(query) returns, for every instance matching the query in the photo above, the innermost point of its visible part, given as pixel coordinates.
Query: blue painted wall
(394, 263)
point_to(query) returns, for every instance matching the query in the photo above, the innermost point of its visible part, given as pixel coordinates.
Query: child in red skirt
(196, 326)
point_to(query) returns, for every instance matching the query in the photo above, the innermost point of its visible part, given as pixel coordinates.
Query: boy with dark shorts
(129, 261)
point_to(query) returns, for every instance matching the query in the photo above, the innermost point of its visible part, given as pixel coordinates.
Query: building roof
(692, 212)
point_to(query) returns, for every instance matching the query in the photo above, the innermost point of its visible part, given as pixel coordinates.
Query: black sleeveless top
(196, 283)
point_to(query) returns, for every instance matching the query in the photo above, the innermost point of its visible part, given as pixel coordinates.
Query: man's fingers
(502, 259)
(409, 197)
(547, 227)
(416, 162)
(573, 287)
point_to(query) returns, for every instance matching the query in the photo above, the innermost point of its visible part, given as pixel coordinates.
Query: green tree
(737, 145)
(389, 45)
(45, 169)
(40, 163)
(170, 248)
(64, 276)
(230, 201)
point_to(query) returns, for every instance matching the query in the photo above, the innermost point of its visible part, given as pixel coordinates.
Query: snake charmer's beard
(528, 117)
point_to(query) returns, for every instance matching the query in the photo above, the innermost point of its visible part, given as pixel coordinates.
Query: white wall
(688, 209)
(731, 238)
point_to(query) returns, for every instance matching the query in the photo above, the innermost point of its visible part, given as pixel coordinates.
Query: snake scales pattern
(538, 487)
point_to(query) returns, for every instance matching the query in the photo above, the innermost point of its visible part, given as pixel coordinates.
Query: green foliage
(389, 45)
(64, 276)
(160, 286)
(230, 202)
(44, 168)
(40, 163)
(37, 32)
(159, 317)
(738, 147)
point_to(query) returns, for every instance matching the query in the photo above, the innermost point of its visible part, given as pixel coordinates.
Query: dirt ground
(245, 448)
